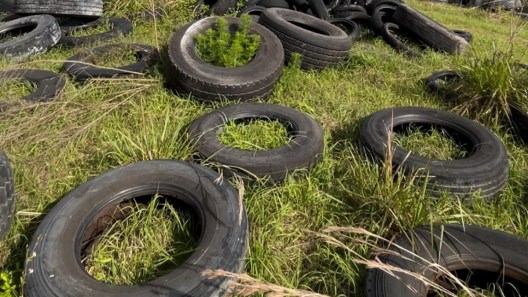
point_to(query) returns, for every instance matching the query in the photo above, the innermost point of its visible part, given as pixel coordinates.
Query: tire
(322, 45)
(484, 170)
(375, 3)
(80, 68)
(43, 37)
(464, 34)
(434, 86)
(390, 34)
(207, 82)
(482, 255)
(60, 7)
(49, 85)
(519, 122)
(274, 3)
(119, 27)
(303, 151)
(381, 15)
(350, 27)
(253, 11)
(348, 7)
(218, 7)
(55, 248)
(7, 195)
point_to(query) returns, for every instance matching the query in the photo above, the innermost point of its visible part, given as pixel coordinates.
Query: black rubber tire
(464, 34)
(80, 68)
(54, 267)
(119, 26)
(7, 195)
(350, 27)
(493, 256)
(49, 85)
(46, 34)
(207, 82)
(485, 169)
(387, 34)
(303, 151)
(519, 123)
(370, 6)
(348, 7)
(60, 7)
(274, 3)
(217, 7)
(433, 86)
(381, 15)
(254, 11)
(322, 46)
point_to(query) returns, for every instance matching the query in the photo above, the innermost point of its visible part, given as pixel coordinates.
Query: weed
(148, 242)
(255, 135)
(221, 47)
(8, 288)
(490, 85)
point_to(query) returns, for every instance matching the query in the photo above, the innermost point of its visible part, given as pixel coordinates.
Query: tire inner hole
(484, 282)
(228, 45)
(14, 89)
(139, 239)
(256, 133)
(309, 28)
(16, 32)
(432, 141)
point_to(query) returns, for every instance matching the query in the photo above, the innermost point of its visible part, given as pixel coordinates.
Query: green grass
(150, 241)
(14, 89)
(256, 135)
(54, 147)
(223, 48)
(117, 57)
(433, 143)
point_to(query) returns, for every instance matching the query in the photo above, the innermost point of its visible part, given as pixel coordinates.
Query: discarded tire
(49, 85)
(61, 7)
(479, 256)
(81, 67)
(436, 83)
(351, 28)
(207, 82)
(54, 262)
(7, 195)
(43, 33)
(484, 170)
(303, 150)
(320, 43)
(392, 35)
(119, 26)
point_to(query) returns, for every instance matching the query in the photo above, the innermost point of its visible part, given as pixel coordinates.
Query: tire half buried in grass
(479, 257)
(484, 170)
(54, 268)
(304, 149)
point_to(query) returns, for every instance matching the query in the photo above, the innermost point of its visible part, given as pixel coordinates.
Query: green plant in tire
(256, 135)
(490, 85)
(224, 48)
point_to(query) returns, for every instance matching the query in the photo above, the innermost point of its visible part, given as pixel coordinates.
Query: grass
(148, 242)
(222, 48)
(56, 146)
(256, 135)
(15, 89)
(117, 57)
(432, 143)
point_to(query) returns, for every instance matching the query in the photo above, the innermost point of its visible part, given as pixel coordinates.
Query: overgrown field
(93, 127)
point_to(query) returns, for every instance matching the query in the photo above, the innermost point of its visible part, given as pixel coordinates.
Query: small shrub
(7, 289)
(222, 48)
(490, 85)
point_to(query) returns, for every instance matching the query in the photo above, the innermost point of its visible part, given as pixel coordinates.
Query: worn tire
(61, 7)
(435, 83)
(321, 46)
(485, 170)
(390, 34)
(49, 85)
(119, 26)
(43, 37)
(483, 255)
(80, 68)
(207, 82)
(303, 151)
(350, 27)
(7, 195)
(54, 267)
(464, 34)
